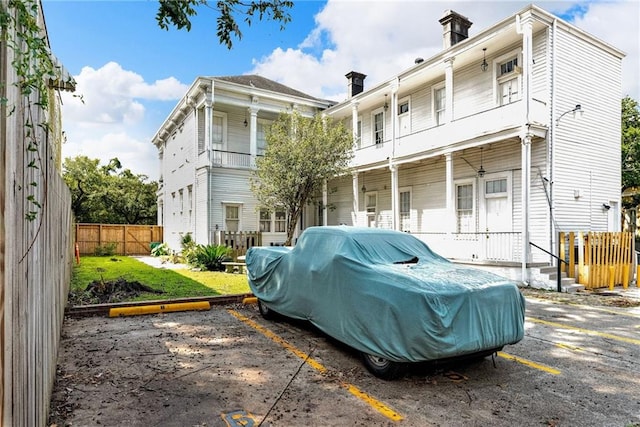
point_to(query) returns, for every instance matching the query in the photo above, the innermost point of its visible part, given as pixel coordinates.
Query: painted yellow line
(568, 347)
(158, 308)
(374, 403)
(584, 331)
(529, 363)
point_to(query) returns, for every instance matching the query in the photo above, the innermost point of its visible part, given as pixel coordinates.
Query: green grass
(174, 283)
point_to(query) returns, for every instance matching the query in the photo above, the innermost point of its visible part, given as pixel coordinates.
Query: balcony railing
(231, 159)
(482, 247)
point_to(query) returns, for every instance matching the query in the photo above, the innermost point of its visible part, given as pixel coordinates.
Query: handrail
(558, 278)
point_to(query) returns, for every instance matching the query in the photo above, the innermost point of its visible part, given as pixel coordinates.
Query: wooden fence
(598, 259)
(129, 239)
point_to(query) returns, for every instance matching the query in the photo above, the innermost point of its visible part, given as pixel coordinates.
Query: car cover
(386, 293)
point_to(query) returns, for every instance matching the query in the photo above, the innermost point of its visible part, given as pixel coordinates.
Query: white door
(497, 215)
(404, 117)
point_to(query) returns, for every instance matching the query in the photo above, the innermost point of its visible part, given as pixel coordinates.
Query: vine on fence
(35, 69)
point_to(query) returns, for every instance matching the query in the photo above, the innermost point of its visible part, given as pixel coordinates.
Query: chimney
(455, 28)
(356, 83)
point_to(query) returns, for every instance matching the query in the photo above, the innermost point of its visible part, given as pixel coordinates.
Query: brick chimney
(455, 28)
(356, 83)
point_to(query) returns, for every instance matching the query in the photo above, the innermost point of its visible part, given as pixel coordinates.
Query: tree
(109, 194)
(301, 155)
(179, 13)
(630, 150)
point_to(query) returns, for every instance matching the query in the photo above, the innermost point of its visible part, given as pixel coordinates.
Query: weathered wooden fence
(129, 239)
(598, 259)
(36, 254)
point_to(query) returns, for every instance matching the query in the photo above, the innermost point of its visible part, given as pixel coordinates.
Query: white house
(207, 148)
(483, 150)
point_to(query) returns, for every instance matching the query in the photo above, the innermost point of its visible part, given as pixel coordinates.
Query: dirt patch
(104, 292)
(592, 298)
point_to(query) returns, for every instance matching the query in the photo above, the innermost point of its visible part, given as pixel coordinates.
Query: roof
(259, 82)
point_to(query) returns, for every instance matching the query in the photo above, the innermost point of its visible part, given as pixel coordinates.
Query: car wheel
(381, 367)
(265, 311)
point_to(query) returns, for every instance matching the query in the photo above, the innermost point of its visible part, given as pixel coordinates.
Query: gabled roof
(259, 82)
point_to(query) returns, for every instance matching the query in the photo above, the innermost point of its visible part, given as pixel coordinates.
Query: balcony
(489, 125)
(231, 159)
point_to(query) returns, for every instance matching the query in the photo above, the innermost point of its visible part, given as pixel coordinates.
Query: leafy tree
(301, 155)
(630, 150)
(109, 194)
(180, 12)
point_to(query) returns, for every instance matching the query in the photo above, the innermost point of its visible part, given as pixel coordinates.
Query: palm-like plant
(211, 257)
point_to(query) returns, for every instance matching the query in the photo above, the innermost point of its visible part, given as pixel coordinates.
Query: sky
(130, 73)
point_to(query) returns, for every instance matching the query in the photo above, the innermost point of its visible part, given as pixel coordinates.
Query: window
(232, 217)
(378, 127)
(265, 221)
(403, 108)
(405, 210)
(181, 201)
(495, 187)
(464, 208)
(371, 203)
(404, 118)
(359, 134)
(201, 137)
(281, 222)
(261, 136)
(508, 78)
(190, 197)
(439, 104)
(217, 131)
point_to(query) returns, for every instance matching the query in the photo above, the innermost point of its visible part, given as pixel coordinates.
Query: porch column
(526, 183)
(450, 194)
(324, 203)
(395, 200)
(253, 134)
(356, 204)
(448, 89)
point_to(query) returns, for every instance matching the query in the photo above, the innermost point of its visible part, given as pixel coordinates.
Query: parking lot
(577, 365)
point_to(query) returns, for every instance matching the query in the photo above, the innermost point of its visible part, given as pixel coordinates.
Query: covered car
(388, 295)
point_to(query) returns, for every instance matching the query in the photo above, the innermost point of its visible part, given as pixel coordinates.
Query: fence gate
(129, 239)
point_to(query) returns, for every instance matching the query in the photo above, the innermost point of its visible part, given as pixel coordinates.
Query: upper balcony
(481, 128)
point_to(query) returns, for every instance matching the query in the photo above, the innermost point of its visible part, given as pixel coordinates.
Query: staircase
(546, 278)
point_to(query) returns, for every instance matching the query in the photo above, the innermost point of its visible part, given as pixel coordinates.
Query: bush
(108, 249)
(159, 250)
(209, 257)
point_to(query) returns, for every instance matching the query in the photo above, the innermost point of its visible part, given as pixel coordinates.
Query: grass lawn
(173, 283)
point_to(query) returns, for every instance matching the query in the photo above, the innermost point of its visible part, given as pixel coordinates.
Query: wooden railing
(487, 246)
(598, 259)
(238, 241)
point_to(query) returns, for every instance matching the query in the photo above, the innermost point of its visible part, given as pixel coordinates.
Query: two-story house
(482, 150)
(208, 146)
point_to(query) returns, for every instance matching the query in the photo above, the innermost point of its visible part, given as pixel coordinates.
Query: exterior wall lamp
(481, 171)
(484, 66)
(575, 110)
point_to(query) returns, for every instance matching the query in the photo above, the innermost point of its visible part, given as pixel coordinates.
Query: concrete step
(575, 287)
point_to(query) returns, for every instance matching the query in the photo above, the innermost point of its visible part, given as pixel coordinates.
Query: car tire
(381, 367)
(265, 311)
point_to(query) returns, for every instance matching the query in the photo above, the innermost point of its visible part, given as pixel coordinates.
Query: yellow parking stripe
(568, 347)
(529, 363)
(374, 403)
(584, 331)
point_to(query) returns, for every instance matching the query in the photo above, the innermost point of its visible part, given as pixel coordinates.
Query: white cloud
(389, 35)
(106, 117)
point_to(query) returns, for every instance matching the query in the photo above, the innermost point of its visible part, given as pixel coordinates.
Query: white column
(395, 200)
(450, 193)
(448, 89)
(325, 201)
(356, 200)
(527, 64)
(526, 183)
(354, 121)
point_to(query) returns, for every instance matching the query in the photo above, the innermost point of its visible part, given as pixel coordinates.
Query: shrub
(108, 249)
(209, 257)
(159, 250)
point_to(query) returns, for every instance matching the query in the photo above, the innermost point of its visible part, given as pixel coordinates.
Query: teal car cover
(386, 293)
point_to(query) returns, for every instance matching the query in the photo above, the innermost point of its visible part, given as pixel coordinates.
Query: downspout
(393, 168)
(552, 138)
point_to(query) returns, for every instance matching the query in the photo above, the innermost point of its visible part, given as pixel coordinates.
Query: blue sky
(131, 73)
